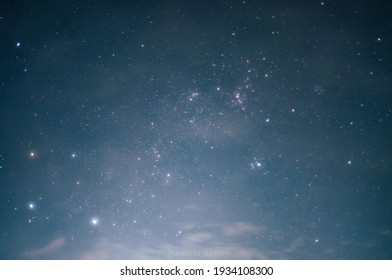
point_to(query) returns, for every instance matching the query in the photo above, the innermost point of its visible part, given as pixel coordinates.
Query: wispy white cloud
(214, 241)
(230, 240)
(240, 228)
(50, 248)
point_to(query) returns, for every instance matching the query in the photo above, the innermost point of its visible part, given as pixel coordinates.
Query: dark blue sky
(195, 130)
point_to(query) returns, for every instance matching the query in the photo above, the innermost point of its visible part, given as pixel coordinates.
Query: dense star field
(195, 130)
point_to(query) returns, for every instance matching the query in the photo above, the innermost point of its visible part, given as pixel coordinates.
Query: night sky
(196, 130)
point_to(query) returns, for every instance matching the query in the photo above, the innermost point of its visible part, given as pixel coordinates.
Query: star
(193, 96)
(94, 221)
(256, 164)
(32, 154)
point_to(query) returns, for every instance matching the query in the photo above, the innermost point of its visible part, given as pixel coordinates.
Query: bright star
(94, 221)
